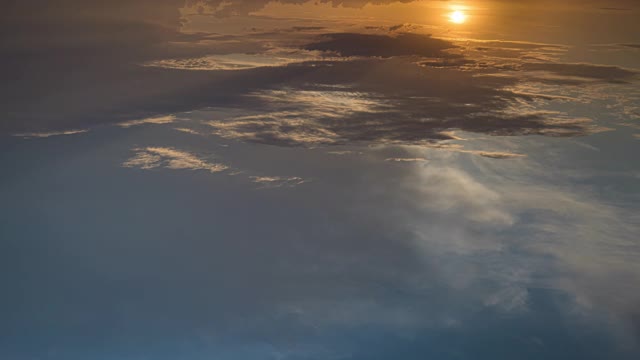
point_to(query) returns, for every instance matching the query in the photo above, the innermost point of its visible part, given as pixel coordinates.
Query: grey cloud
(392, 102)
(401, 160)
(352, 44)
(49, 134)
(188, 131)
(483, 153)
(69, 60)
(270, 182)
(307, 28)
(395, 28)
(38, 25)
(299, 101)
(496, 155)
(611, 74)
(224, 8)
(344, 152)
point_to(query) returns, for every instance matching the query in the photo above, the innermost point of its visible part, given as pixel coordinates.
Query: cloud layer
(156, 157)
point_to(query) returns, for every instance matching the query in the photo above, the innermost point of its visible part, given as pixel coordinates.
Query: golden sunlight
(458, 17)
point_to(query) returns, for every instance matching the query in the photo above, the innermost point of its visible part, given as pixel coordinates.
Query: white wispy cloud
(278, 181)
(188, 131)
(241, 61)
(49, 133)
(344, 152)
(407, 159)
(170, 158)
(152, 120)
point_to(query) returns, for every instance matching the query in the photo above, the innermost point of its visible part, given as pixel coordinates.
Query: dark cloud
(224, 8)
(331, 101)
(37, 24)
(616, 9)
(62, 60)
(395, 28)
(307, 28)
(352, 44)
(91, 74)
(390, 101)
(611, 74)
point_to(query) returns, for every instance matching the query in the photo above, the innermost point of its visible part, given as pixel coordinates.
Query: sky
(315, 180)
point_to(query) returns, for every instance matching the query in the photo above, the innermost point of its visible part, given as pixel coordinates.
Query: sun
(458, 17)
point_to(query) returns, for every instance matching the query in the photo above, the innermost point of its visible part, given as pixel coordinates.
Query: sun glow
(458, 17)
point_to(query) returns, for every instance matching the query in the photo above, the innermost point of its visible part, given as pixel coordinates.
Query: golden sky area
(547, 21)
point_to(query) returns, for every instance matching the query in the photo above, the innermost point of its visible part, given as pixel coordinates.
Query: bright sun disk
(457, 17)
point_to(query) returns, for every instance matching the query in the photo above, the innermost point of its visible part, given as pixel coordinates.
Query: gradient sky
(292, 180)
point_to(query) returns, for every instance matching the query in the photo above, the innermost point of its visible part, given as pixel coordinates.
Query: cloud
(72, 63)
(487, 154)
(451, 191)
(611, 74)
(269, 58)
(401, 160)
(383, 45)
(384, 89)
(399, 28)
(392, 103)
(38, 25)
(496, 155)
(344, 152)
(270, 182)
(170, 158)
(224, 8)
(152, 120)
(149, 158)
(188, 131)
(301, 125)
(48, 134)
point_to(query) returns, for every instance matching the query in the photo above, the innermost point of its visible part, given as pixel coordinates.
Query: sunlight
(457, 17)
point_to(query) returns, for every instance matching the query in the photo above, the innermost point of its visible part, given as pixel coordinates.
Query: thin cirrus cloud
(32, 135)
(556, 218)
(170, 158)
(154, 157)
(407, 160)
(238, 61)
(152, 120)
(270, 182)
